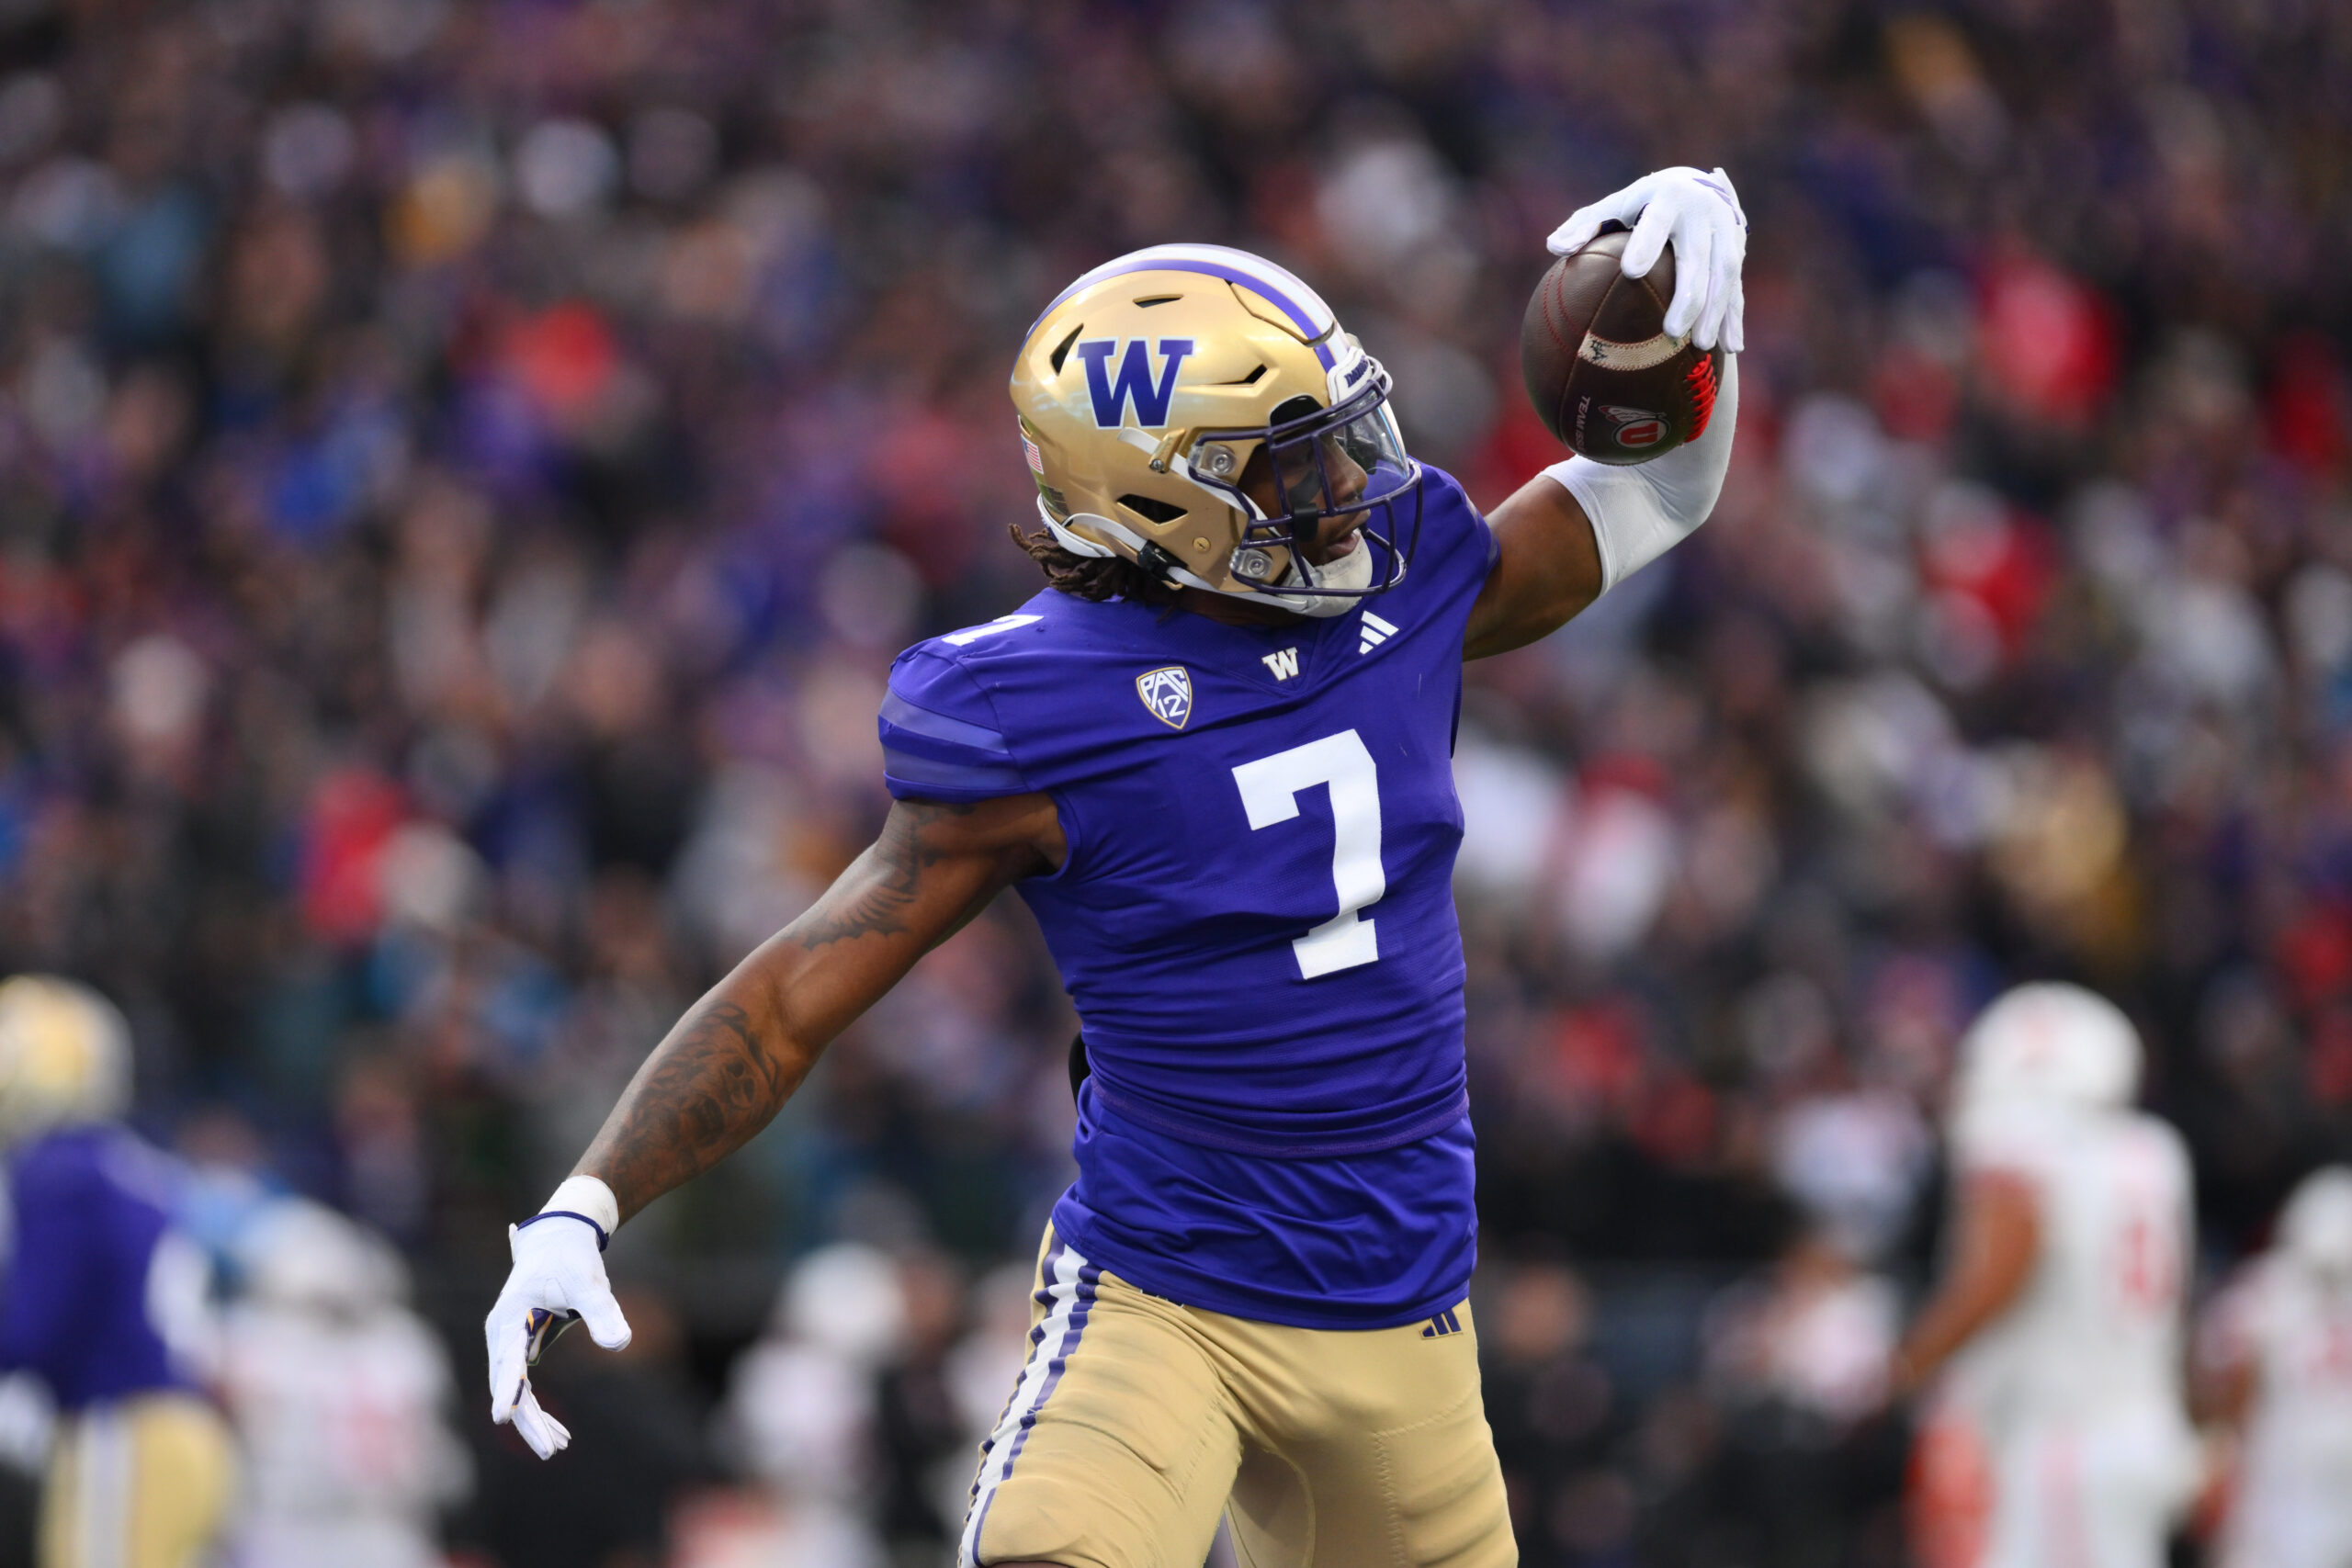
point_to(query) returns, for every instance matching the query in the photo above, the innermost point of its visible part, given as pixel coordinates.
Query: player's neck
(1235, 611)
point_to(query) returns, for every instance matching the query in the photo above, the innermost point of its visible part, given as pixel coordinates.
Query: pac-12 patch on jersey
(1168, 692)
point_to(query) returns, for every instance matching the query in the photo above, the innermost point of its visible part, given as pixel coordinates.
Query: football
(1604, 376)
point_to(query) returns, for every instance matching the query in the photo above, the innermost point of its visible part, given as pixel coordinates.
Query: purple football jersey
(1255, 922)
(92, 1209)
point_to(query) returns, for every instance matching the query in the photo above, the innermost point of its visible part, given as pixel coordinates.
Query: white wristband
(586, 1195)
(1638, 513)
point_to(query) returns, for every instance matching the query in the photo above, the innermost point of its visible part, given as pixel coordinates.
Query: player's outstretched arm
(722, 1074)
(1580, 528)
(726, 1069)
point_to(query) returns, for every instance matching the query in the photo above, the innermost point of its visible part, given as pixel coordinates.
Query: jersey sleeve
(941, 739)
(1490, 550)
(1458, 537)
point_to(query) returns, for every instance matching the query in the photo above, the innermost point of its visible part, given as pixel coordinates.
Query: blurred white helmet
(307, 1257)
(2047, 1046)
(846, 1299)
(2315, 1229)
(65, 1056)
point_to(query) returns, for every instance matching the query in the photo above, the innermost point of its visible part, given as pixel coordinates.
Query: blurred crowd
(467, 464)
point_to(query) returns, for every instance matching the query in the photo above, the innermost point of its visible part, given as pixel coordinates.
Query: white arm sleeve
(1640, 512)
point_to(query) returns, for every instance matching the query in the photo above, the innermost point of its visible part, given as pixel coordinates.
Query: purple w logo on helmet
(1133, 381)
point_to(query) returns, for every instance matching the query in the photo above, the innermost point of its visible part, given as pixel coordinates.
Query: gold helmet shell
(1150, 387)
(65, 1056)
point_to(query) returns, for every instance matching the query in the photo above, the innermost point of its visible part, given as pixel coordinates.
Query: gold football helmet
(1159, 389)
(65, 1056)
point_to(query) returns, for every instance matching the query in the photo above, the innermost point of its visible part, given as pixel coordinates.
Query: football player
(2057, 1436)
(341, 1393)
(1214, 758)
(103, 1301)
(2283, 1342)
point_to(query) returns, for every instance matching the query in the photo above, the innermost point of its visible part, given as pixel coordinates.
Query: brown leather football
(1604, 376)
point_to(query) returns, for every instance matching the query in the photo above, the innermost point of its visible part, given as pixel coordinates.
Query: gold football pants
(1136, 1422)
(141, 1483)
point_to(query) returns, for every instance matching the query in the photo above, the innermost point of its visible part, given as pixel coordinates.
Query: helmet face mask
(1346, 463)
(1196, 410)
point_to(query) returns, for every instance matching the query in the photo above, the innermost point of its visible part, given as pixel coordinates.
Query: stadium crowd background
(465, 469)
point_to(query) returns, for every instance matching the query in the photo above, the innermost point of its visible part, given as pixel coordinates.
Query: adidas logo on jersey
(1283, 664)
(1375, 632)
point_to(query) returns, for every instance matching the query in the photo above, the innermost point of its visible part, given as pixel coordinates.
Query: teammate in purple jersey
(1215, 758)
(103, 1302)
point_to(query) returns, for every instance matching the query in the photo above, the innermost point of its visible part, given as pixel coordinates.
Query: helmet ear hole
(1289, 409)
(1151, 509)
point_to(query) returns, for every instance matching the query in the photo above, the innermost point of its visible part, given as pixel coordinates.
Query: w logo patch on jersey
(1110, 391)
(1168, 692)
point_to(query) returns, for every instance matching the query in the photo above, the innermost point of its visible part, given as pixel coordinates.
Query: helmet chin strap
(1353, 571)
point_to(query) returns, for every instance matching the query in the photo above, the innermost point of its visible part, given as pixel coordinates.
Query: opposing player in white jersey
(341, 1393)
(2282, 1336)
(2056, 1434)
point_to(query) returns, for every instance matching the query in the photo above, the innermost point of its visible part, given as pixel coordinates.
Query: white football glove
(1700, 213)
(559, 1279)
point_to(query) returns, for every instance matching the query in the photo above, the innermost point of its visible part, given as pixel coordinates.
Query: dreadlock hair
(1092, 577)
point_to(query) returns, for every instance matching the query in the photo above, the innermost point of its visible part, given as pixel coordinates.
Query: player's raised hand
(1698, 211)
(559, 1279)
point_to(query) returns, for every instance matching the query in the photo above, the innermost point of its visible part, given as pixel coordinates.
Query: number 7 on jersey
(1270, 790)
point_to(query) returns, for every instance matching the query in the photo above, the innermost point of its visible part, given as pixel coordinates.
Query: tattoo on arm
(708, 1088)
(877, 903)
